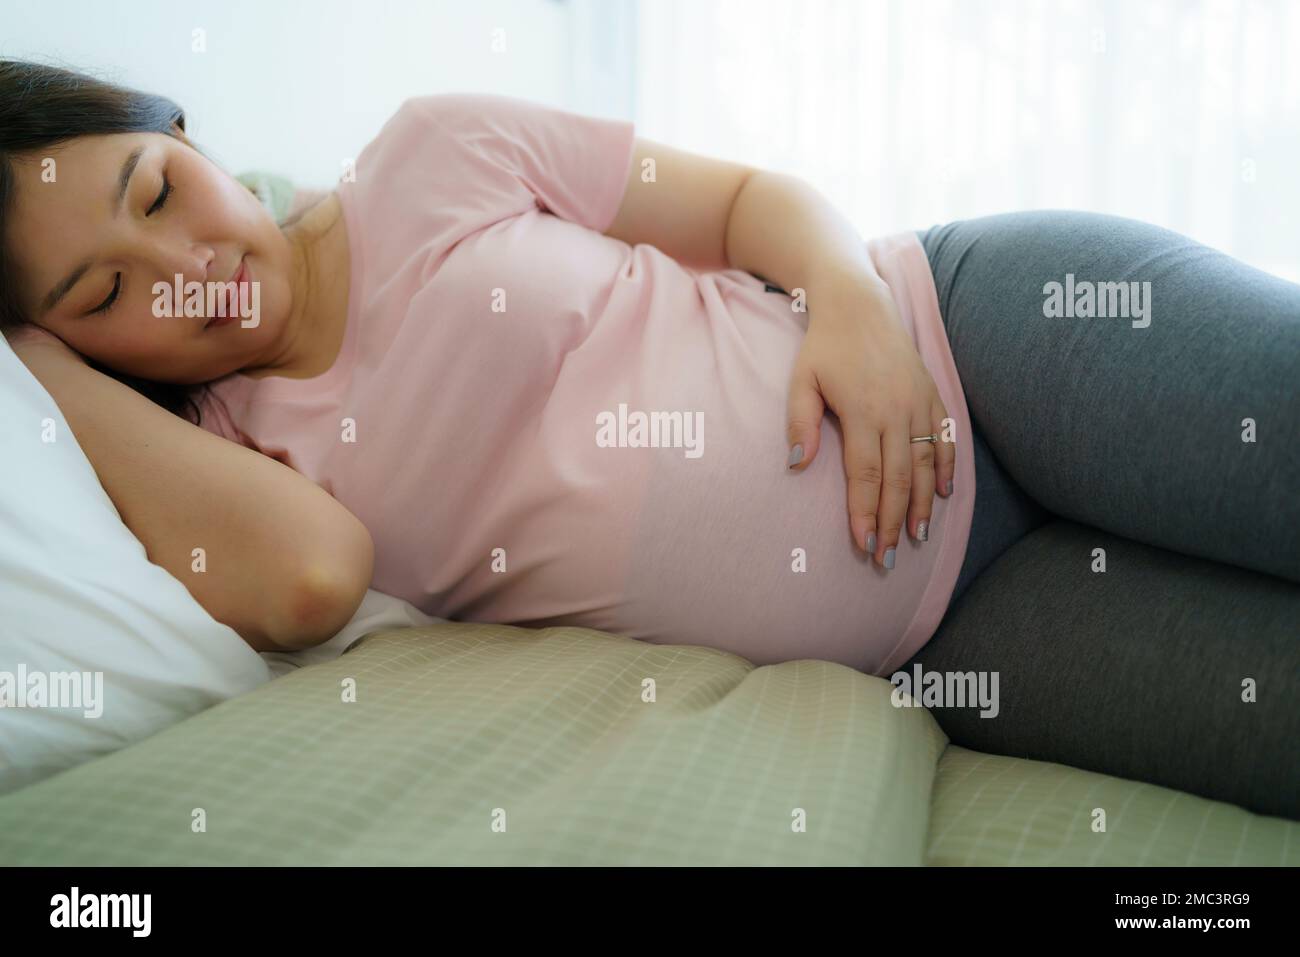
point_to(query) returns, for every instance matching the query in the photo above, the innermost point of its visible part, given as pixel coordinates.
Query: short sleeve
(572, 165)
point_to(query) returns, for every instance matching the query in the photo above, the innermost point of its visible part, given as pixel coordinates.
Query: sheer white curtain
(907, 113)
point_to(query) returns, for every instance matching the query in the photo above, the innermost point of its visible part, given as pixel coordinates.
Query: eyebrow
(123, 181)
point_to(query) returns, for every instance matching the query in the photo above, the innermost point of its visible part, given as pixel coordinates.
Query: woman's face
(67, 215)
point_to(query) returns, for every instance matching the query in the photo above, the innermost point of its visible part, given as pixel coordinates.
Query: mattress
(459, 743)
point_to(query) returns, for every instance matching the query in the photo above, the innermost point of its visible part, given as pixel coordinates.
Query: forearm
(782, 229)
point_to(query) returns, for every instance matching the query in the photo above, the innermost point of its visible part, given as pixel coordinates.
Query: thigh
(1140, 671)
(1003, 515)
(1136, 429)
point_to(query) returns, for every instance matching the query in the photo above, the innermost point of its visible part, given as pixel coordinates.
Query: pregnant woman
(525, 367)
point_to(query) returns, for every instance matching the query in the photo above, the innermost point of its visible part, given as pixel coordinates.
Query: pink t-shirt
(483, 417)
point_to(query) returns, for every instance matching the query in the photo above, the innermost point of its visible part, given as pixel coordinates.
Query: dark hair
(43, 106)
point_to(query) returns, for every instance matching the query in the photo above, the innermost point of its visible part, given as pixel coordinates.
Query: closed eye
(158, 204)
(161, 201)
(107, 304)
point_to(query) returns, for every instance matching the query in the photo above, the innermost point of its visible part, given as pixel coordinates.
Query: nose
(202, 259)
(192, 261)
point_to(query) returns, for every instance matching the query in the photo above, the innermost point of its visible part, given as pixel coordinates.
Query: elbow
(327, 594)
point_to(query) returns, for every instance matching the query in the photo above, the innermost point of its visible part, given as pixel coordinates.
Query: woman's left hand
(859, 361)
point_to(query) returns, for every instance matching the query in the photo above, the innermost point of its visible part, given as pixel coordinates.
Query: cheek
(225, 208)
(229, 208)
(139, 333)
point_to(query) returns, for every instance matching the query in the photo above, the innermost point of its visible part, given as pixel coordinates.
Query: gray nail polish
(949, 486)
(923, 531)
(889, 558)
(871, 543)
(796, 456)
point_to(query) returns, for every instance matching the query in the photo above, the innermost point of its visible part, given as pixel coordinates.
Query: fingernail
(949, 486)
(796, 456)
(923, 531)
(871, 543)
(889, 558)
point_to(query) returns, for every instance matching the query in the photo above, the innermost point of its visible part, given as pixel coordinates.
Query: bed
(409, 740)
(478, 744)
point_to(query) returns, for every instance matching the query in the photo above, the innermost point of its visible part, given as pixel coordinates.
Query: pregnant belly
(759, 561)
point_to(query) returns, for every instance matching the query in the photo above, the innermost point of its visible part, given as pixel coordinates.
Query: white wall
(906, 113)
(1185, 113)
(297, 87)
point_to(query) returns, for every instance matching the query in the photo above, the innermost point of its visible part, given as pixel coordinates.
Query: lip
(242, 275)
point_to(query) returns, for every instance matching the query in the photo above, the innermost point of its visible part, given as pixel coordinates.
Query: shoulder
(308, 203)
(314, 212)
(454, 106)
(455, 137)
(470, 115)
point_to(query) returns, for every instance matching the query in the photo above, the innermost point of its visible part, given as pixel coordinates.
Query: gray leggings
(1179, 664)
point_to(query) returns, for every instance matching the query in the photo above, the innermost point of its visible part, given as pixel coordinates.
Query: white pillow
(79, 595)
(378, 612)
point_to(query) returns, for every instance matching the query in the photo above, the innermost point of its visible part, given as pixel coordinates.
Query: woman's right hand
(28, 335)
